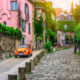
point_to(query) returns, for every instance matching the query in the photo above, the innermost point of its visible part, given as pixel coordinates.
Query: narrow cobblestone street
(61, 65)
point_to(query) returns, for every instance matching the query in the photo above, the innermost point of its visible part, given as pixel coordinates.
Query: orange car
(23, 50)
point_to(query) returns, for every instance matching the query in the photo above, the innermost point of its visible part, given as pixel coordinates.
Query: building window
(22, 25)
(4, 23)
(14, 5)
(69, 17)
(25, 26)
(29, 29)
(23, 39)
(25, 8)
(61, 17)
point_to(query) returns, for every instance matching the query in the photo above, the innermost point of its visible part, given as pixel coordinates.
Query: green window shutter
(29, 28)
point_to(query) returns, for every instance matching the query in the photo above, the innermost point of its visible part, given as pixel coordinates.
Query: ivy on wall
(10, 31)
(50, 23)
(69, 26)
(38, 27)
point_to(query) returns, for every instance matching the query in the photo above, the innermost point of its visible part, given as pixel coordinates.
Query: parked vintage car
(23, 50)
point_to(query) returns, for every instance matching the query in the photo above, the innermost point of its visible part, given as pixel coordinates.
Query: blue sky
(64, 4)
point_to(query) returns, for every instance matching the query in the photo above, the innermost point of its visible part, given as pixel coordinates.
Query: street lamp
(75, 45)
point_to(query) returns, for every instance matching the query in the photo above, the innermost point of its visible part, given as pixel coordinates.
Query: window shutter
(22, 25)
(25, 8)
(25, 26)
(29, 29)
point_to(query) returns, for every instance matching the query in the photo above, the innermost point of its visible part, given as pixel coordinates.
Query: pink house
(61, 34)
(18, 14)
(61, 38)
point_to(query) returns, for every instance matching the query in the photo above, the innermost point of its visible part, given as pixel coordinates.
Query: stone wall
(7, 46)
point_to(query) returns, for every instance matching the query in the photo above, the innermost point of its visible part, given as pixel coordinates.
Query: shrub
(47, 46)
(66, 37)
(10, 31)
(78, 53)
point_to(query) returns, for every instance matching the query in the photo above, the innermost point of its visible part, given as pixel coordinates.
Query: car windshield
(23, 46)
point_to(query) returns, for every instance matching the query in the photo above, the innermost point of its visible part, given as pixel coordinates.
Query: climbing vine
(38, 27)
(10, 31)
(50, 23)
(69, 26)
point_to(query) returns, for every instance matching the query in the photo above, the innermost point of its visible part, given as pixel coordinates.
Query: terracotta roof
(39, 0)
(58, 11)
(30, 1)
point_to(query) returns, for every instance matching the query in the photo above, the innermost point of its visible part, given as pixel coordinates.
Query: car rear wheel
(28, 55)
(15, 56)
(31, 54)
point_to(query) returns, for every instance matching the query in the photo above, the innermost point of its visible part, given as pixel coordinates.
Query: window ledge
(14, 10)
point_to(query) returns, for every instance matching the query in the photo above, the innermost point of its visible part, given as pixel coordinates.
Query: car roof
(23, 46)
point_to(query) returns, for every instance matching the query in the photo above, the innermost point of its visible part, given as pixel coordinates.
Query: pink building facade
(18, 14)
(60, 38)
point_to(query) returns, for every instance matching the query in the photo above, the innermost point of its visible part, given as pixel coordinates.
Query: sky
(64, 4)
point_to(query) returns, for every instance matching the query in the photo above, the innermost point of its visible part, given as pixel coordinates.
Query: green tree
(76, 14)
(77, 35)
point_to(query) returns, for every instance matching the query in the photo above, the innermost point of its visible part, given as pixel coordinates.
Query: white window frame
(14, 6)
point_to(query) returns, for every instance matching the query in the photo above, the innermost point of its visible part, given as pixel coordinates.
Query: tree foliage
(77, 34)
(76, 14)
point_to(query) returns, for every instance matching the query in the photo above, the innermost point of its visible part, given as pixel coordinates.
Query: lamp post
(75, 45)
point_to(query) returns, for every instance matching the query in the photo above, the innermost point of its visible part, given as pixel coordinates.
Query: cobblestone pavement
(61, 65)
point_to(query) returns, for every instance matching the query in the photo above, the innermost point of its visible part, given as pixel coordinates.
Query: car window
(23, 46)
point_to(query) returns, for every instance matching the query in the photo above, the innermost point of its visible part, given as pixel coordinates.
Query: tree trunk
(78, 48)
